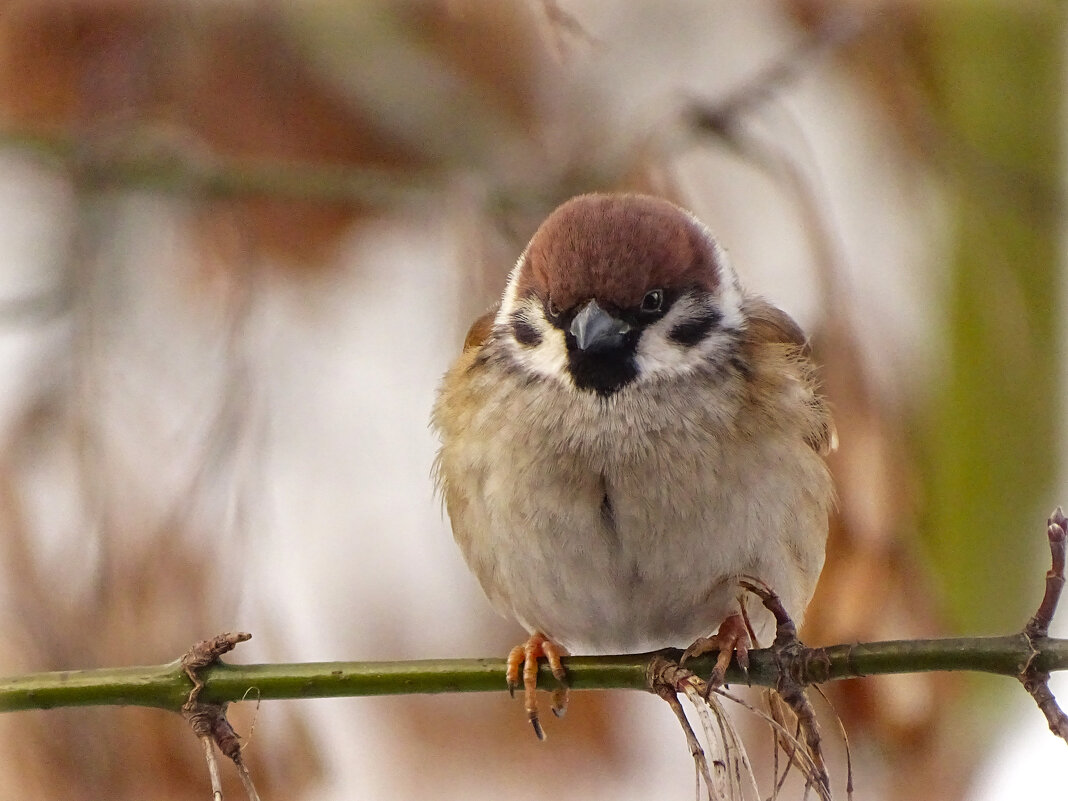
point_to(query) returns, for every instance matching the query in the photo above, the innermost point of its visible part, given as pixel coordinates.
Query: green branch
(167, 686)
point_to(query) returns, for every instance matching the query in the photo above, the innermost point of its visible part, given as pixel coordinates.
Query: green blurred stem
(167, 687)
(143, 159)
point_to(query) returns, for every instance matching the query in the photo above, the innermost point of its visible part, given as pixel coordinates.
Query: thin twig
(845, 742)
(564, 26)
(146, 158)
(1034, 679)
(789, 744)
(799, 755)
(736, 756)
(213, 767)
(665, 676)
(722, 116)
(1038, 625)
(246, 781)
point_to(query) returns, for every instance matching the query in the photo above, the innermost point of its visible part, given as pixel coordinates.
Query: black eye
(551, 308)
(653, 301)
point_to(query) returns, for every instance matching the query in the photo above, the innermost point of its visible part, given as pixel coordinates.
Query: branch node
(208, 721)
(1034, 680)
(205, 654)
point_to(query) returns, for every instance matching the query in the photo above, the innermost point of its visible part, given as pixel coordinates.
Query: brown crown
(616, 248)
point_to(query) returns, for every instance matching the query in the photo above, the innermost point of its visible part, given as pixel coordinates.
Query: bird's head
(617, 289)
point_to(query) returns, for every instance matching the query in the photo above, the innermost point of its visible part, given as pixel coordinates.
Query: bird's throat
(604, 372)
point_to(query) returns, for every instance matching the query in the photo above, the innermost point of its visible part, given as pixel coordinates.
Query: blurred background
(241, 241)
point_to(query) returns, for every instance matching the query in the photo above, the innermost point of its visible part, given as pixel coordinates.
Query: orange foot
(527, 655)
(732, 639)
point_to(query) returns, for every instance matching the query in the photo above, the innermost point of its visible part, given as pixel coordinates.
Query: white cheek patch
(730, 296)
(549, 357)
(658, 355)
(511, 289)
(730, 289)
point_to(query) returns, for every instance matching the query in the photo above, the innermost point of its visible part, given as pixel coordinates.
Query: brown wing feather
(767, 323)
(480, 330)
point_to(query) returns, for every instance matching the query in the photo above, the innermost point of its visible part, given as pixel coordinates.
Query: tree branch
(167, 686)
(199, 685)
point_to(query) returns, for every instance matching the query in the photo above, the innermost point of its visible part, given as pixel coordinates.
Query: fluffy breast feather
(693, 470)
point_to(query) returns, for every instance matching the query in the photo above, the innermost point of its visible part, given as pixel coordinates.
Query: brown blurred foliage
(225, 81)
(202, 83)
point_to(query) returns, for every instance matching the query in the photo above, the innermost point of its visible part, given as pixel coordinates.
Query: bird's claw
(732, 639)
(526, 656)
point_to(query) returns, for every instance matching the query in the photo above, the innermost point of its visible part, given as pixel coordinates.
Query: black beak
(595, 329)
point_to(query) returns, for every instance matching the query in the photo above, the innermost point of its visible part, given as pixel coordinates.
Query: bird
(627, 436)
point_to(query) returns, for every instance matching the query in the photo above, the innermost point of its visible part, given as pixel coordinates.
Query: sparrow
(626, 437)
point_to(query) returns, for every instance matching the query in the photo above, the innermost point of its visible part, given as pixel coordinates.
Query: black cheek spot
(692, 331)
(525, 333)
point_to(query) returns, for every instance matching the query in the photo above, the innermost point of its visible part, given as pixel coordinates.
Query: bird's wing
(770, 324)
(480, 330)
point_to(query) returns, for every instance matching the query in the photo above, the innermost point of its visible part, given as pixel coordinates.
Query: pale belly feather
(642, 554)
(624, 526)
